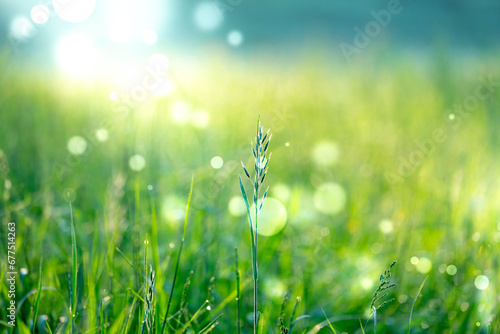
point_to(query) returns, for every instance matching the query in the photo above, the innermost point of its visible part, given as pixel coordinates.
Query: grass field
(375, 162)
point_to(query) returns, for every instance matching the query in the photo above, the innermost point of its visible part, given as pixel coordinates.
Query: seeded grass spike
(261, 163)
(380, 293)
(377, 300)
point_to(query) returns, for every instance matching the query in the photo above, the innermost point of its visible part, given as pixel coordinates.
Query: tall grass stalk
(237, 271)
(259, 150)
(165, 320)
(74, 271)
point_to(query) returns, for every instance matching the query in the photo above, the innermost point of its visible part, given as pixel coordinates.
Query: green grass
(444, 212)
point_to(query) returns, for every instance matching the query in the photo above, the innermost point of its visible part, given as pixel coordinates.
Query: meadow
(388, 159)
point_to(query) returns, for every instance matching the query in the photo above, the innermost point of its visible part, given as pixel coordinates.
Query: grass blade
(165, 320)
(414, 300)
(237, 271)
(74, 269)
(361, 325)
(211, 325)
(329, 323)
(37, 298)
(297, 320)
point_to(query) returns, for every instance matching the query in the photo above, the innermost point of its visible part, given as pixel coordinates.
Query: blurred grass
(373, 112)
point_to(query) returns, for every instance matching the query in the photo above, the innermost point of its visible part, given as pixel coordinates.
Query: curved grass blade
(297, 320)
(165, 320)
(414, 300)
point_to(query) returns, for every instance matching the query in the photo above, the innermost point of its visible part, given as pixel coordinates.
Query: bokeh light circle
(158, 63)
(77, 145)
(272, 218)
(101, 134)
(216, 162)
(424, 265)
(40, 14)
(74, 10)
(237, 206)
(451, 270)
(325, 154)
(22, 28)
(330, 198)
(235, 38)
(137, 162)
(208, 16)
(481, 282)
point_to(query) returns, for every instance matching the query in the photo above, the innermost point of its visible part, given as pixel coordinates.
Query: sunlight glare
(76, 54)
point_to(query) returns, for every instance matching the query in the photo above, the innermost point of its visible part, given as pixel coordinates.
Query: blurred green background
(385, 147)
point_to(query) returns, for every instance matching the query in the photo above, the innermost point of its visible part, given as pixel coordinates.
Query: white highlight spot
(120, 32)
(208, 16)
(113, 96)
(200, 119)
(272, 218)
(414, 260)
(101, 134)
(451, 116)
(451, 270)
(76, 53)
(74, 10)
(158, 64)
(424, 265)
(77, 145)
(330, 198)
(386, 226)
(180, 112)
(137, 162)
(235, 38)
(481, 282)
(149, 37)
(217, 162)
(281, 192)
(237, 206)
(40, 14)
(325, 154)
(21, 28)
(366, 283)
